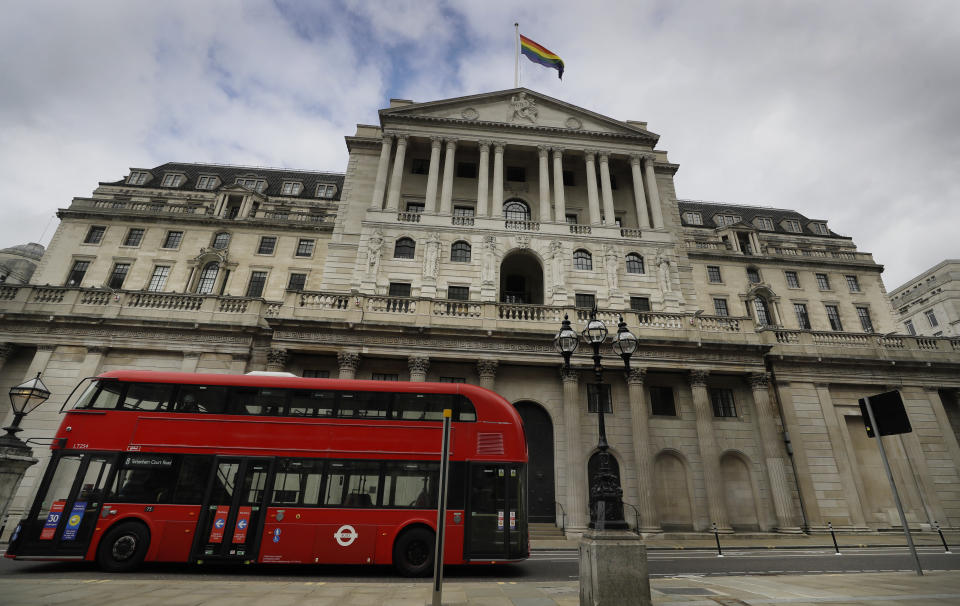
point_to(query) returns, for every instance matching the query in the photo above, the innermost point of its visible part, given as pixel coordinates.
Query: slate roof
(747, 213)
(229, 175)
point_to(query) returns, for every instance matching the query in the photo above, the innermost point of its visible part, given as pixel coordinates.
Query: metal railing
(563, 516)
(636, 516)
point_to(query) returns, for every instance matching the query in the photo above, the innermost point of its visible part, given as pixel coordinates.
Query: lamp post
(15, 456)
(24, 398)
(606, 504)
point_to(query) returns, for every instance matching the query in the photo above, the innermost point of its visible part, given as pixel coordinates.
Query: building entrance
(540, 487)
(521, 278)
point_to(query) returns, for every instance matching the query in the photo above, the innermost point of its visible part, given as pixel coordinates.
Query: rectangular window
(600, 393)
(313, 373)
(661, 401)
(931, 318)
(267, 245)
(720, 307)
(753, 275)
(415, 207)
(134, 237)
(137, 178)
(419, 166)
(833, 314)
(458, 293)
(568, 179)
(803, 319)
(118, 275)
(76, 274)
(571, 219)
(640, 303)
(819, 228)
(159, 278)
(291, 188)
(467, 170)
(864, 314)
(853, 283)
(823, 282)
(765, 223)
(910, 329)
(693, 218)
(713, 274)
(171, 181)
(297, 281)
(793, 280)
(173, 239)
(95, 234)
(517, 174)
(305, 247)
(399, 289)
(352, 484)
(463, 211)
(792, 225)
(385, 376)
(297, 482)
(585, 300)
(326, 190)
(257, 281)
(257, 185)
(723, 404)
(206, 182)
(453, 379)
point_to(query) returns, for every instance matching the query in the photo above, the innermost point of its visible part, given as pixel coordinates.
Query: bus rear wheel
(413, 552)
(123, 547)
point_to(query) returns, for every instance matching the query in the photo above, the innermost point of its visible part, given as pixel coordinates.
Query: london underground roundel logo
(345, 535)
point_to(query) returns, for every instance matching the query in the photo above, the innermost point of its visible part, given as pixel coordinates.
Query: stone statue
(431, 257)
(524, 108)
(557, 262)
(611, 261)
(488, 273)
(374, 249)
(663, 272)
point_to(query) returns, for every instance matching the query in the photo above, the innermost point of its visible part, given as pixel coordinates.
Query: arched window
(763, 311)
(404, 248)
(516, 210)
(582, 259)
(634, 264)
(221, 240)
(208, 277)
(460, 251)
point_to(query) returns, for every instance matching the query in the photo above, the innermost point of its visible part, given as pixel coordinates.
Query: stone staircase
(545, 531)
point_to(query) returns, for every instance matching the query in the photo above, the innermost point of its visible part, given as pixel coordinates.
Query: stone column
(483, 179)
(576, 476)
(396, 179)
(189, 361)
(606, 190)
(497, 202)
(380, 184)
(592, 201)
(649, 520)
(487, 371)
(277, 360)
(653, 191)
(770, 441)
(348, 361)
(418, 365)
(449, 168)
(430, 201)
(639, 195)
(544, 152)
(559, 203)
(709, 453)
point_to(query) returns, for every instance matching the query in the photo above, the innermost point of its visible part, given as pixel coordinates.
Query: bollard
(946, 549)
(716, 535)
(834, 537)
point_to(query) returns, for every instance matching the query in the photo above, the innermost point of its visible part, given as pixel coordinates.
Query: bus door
(231, 517)
(496, 514)
(64, 514)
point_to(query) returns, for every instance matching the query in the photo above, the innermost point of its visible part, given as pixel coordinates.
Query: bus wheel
(413, 552)
(123, 547)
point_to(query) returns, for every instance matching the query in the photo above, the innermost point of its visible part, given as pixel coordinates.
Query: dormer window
(207, 182)
(326, 190)
(792, 225)
(726, 219)
(764, 223)
(257, 185)
(137, 177)
(693, 218)
(291, 188)
(172, 180)
(820, 228)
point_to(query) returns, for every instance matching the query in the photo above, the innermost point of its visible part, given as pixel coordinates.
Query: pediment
(518, 107)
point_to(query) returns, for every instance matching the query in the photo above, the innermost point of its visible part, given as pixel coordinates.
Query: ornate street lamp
(566, 341)
(24, 399)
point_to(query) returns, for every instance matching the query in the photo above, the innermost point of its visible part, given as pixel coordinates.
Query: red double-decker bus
(177, 467)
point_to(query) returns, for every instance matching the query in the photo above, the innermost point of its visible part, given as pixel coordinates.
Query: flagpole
(516, 58)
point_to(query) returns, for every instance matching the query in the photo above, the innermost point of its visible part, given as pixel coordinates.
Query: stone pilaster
(653, 191)
(496, 209)
(418, 365)
(559, 202)
(238, 363)
(487, 371)
(189, 361)
(430, 200)
(277, 360)
(576, 477)
(593, 201)
(639, 195)
(709, 452)
(396, 179)
(649, 520)
(606, 191)
(483, 179)
(449, 168)
(544, 169)
(380, 184)
(349, 361)
(771, 441)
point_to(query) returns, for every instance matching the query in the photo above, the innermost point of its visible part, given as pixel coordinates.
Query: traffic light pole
(893, 487)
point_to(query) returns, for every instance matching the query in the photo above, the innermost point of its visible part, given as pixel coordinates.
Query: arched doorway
(672, 493)
(738, 492)
(541, 492)
(521, 278)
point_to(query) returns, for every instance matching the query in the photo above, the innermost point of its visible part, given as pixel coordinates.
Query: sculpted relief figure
(431, 258)
(611, 259)
(374, 248)
(556, 262)
(524, 108)
(488, 272)
(663, 272)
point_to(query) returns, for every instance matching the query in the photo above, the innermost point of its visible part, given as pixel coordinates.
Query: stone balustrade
(893, 347)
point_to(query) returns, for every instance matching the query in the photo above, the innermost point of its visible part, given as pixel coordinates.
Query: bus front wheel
(123, 547)
(413, 552)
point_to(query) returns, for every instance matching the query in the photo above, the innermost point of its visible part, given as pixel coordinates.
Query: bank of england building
(460, 235)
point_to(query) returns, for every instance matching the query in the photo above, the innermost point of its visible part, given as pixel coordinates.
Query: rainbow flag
(538, 54)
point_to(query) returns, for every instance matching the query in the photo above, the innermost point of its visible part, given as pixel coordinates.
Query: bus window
(366, 404)
(147, 396)
(298, 482)
(410, 484)
(201, 398)
(194, 471)
(421, 406)
(465, 410)
(101, 394)
(60, 484)
(257, 401)
(352, 483)
(304, 403)
(149, 485)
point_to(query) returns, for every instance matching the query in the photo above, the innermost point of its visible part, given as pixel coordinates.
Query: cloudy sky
(846, 111)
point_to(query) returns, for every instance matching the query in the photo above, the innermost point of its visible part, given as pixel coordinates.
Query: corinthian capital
(348, 360)
(569, 375)
(635, 159)
(698, 377)
(759, 380)
(277, 358)
(487, 368)
(636, 376)
(418, 364)
(543, 150)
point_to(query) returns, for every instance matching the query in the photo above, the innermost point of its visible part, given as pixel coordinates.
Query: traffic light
(889, 413)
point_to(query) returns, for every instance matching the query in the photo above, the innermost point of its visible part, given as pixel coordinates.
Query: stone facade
(929, 305)
(460, 235)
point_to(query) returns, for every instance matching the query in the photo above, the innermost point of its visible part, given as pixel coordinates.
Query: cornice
(177, 219)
